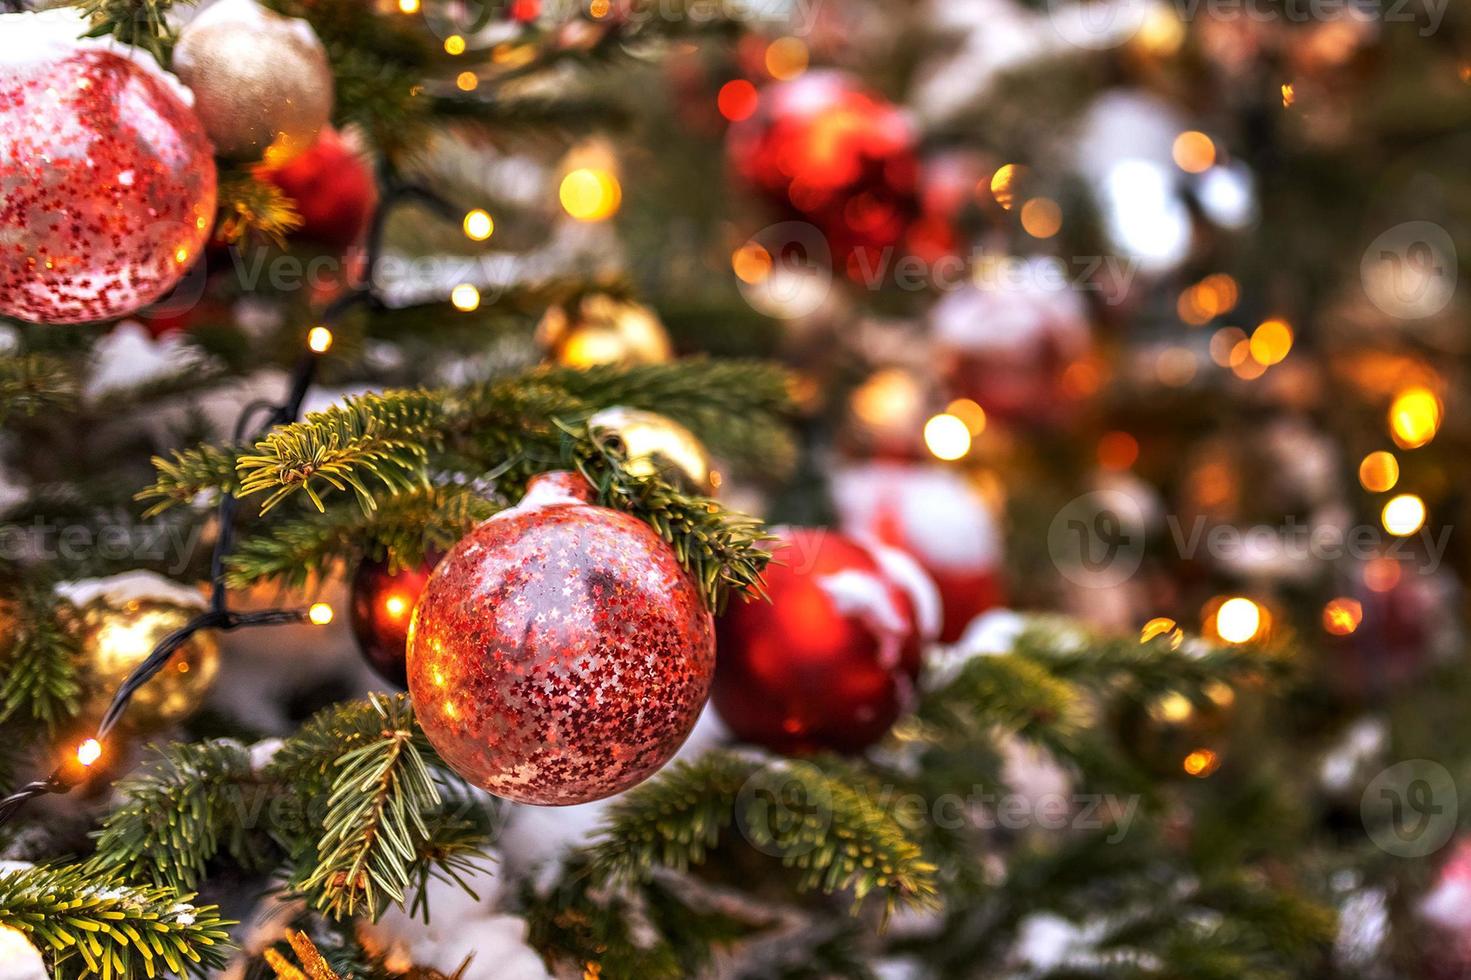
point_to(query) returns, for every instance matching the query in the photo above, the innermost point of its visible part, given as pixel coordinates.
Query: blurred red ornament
(334, 189)
(823, 149)
(559, 653)
(1010, 343)
(934, 515)
(382, 604)
(831, 660)
(109, 180)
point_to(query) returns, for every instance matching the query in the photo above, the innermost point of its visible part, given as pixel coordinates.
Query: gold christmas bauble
(600, 329)
(654, 444)
(262, 86)
(116, 637)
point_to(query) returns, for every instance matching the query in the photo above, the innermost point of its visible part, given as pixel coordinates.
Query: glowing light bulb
(1404, 515)
(465, 297)
(1238, 620)
(1414, 417)
(1041, 217)
(1194, 152)
(737, 100)
(320, 613)
(89, 751)
(590, 194)
(1342, 616)
(1271, 341)
(1201, 763)
(479, 225)
(467, 81)
(454, 44)
(408, 6)
(396, 606)
(947, 437)
(1379, 471)
(319, 339)
(751, 263)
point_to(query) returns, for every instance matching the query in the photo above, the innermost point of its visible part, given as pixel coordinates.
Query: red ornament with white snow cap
(933, 514)
(831, 661)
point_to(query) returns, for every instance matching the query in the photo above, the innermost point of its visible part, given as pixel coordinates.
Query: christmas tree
(627, 489)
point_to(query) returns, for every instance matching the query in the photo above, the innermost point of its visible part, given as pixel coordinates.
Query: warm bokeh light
(786, 58)
(467, 81)
(1117, 451)
(1341, 616)
(1381, 574)
(1414, 417)
(1162, 626)
(1289, 95)
(1403, 515)
(319, 339)
(1213, 296)
(320, 613)
(1041, 217)
(1379, 471)
(590, 194)
(408, 6)
(947, 437)
(751, 263)
(599, 8)
(89, 752)
(972, 414)
(1243, 365)
(479, 225)
(1004, 182)
(1176, 366)
(1271, 341)
(397, 605)
(1201, 763)
(454, 44)
(1172, 707)
(890, 394)
(1226, 343)
(465, 297)
(737, 100)
(1238, 620)
(1194, 152)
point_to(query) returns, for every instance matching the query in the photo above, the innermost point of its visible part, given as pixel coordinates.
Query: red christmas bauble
(333, 187)
(824, 149)
(1007, 344)
(383, 601)
(107, 181)
(934, 515)
(559, 653)
(831, 660)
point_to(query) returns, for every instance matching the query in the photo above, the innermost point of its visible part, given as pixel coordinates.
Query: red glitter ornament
(107, 181)
(823, 149)
(831, 660)
(382, 605)
(933, 514)
(559, 653)
(333, 188)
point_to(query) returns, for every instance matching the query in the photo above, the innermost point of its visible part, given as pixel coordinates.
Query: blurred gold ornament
(655, 444)
(115, 638)
(261, 83)
(600, 329)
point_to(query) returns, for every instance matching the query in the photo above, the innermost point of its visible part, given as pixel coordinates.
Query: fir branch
(1009, 692)
(403, 527)
(192, 472)
(249, 205)
(382, 436)
(720, 548)
(375, 841)
(40, 657)
(138, 23)
(827, 828)
(564, 116)
(96, 925)
(32, 383)
(175, 812)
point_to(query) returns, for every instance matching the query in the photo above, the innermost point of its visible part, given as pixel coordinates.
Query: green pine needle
(94, 925)
(39, 657)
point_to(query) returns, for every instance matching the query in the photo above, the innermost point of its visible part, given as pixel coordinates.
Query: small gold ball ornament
(601, 329)
(117, 636)
(654, 444)
(262, 86)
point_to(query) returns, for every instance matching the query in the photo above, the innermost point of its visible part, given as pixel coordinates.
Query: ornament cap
(556, 487)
